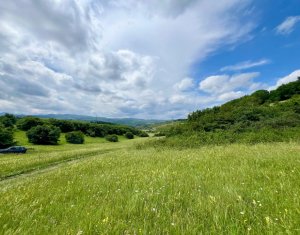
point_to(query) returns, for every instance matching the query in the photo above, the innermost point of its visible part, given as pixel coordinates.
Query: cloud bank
(115, 58)
(225, 87)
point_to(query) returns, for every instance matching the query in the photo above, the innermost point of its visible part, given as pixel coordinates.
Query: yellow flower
(268, 220)
(105, 220)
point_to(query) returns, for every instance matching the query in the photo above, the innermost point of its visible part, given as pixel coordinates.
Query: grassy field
(39, 156)
(116, 188)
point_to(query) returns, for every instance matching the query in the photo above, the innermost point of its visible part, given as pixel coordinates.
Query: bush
(143, 134)
(45, 134)
(159, 134)
(112, 138)
(129, 135)
(6, 137)
(75, 137)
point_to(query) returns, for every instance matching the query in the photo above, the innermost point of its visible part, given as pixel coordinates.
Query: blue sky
(266, 43)
(144, 59)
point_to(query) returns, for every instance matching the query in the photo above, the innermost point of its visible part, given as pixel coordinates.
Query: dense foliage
(44, 134)
(8, 120)
(87, 128)
(6, 137)
(129, 135)
(75, 137)
(260, 117)
(112, 138)
(26, 123)
(92, 129)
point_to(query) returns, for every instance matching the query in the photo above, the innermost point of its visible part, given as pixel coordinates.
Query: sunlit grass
(236, 189)
(41, 156)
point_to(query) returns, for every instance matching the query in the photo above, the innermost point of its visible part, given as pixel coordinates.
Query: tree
(27, 123)
(75, 137)
(129, 135)
(64, 125)
(8, 120)
(261, 96)
(6, 137)
(285, 91)
(43, 134)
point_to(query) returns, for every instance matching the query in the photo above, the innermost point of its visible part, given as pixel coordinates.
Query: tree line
(47, 131)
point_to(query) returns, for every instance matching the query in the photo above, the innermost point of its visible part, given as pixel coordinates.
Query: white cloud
(230, 96)
(222, 88)
(111, 58)
(221, 84)
(245, 65)
(284, 80)
(288, 25)
(184, 84)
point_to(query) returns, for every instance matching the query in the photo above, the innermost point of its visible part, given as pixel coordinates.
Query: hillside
(259, 117)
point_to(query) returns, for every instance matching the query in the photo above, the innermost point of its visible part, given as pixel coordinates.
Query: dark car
(14, 149)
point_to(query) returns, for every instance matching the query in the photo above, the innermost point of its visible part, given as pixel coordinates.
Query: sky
(154, 59)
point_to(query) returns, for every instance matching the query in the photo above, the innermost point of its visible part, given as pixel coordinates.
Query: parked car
(14, 149)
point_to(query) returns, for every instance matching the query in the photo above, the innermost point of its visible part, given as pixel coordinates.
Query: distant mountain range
(123, 121)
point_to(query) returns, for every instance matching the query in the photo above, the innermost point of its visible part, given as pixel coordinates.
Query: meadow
(120, 188)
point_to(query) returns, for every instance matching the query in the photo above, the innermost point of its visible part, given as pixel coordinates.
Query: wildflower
(173, 224)
(268, 220)
(105, 220)
(153, 209)
(212, 198)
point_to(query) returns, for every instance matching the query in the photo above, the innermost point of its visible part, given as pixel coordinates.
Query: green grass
(235, 189)
(43, 156)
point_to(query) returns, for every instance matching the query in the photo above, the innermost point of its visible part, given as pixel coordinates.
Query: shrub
(6, 137)
(159, 134)
(43, 134)
(75, 137)
(112, 138)
(129, 135)
(143, 134)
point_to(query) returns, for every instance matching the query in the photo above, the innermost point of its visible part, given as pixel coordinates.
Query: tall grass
(43, 156)
(197, 139)
(236, 189)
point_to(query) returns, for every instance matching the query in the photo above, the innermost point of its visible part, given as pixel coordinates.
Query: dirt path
(47, 168)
